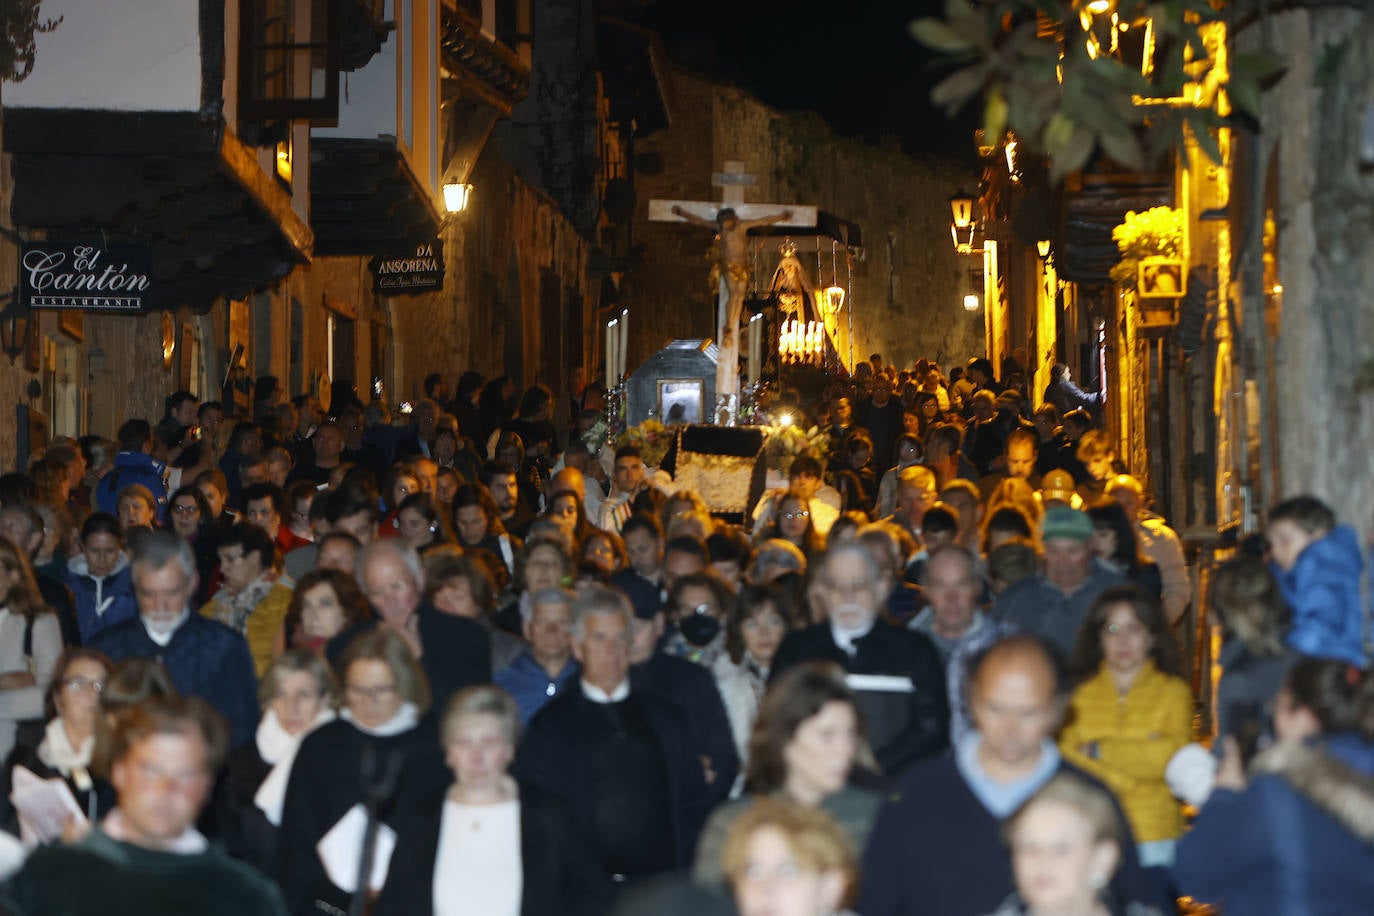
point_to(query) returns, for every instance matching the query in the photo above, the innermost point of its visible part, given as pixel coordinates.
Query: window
(288, 61)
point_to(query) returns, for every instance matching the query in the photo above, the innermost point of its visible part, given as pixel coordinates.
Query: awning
(364, 199)
(178, 183)
(1088, 253)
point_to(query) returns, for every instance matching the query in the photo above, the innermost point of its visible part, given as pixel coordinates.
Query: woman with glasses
(377, 750)
(69, 737)
(793, 524)
(1130, 713)
(30, 644)
(188, 514)
(297, 694)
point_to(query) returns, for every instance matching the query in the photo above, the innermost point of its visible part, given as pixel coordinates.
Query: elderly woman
(458, 584)
(30, 643)
(297, 695)
(489, 845)
(376, 747)
(806, 743)
(697, 607)
(605, 549)
(754, 629)
(786, 859)
(1065, 846)
(251, 601)
(325, 603)
(543, 564)
(70, 735)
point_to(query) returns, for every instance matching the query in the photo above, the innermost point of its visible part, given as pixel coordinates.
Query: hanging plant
(1157, 232)
(19, 22)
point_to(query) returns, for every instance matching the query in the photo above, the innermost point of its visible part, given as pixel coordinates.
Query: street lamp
(14, 329)
(457, 196)
(962, 228)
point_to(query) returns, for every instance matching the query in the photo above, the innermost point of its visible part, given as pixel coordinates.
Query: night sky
(854, 63)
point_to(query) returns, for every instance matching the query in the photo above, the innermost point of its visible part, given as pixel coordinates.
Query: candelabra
(615, 411)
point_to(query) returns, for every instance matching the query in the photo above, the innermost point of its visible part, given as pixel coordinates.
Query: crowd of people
(467, 659)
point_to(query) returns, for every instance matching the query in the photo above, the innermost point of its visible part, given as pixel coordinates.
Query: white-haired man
(622, 759)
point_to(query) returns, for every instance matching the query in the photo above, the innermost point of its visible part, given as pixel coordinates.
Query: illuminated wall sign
(78, 275)
(417, 269)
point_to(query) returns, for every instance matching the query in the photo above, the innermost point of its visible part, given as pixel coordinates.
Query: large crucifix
(731, 219)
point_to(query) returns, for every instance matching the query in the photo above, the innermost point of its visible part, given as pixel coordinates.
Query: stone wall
(907, 284)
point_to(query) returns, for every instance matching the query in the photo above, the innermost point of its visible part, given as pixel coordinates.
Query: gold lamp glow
(971, 302)
(834, 298)
(457, 196)
(962, 229)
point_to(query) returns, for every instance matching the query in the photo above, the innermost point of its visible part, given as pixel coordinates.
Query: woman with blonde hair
(782, 858)
(487, 844)
(298, 694)
(1066, 844)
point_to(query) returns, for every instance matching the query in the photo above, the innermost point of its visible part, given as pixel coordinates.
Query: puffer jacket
(1298, 841)
(1323, 591)
(101, 601)
(1135, 735)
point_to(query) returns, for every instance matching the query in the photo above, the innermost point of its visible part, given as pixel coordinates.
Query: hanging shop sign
(418, 268)
(81, 275)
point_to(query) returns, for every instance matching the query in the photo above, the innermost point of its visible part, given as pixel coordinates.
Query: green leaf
(1260, 66)
(1072, 155)
(937, 34)
(1124, 148)
(1245, 95)
(1197, 125)
(994, 114)
(960, 86)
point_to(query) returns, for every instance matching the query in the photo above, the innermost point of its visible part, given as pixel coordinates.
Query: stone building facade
(908, 284)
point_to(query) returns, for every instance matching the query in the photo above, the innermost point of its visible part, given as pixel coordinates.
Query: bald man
(936, 846)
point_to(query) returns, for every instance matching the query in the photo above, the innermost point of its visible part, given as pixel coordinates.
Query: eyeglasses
(1130, 629)
(792, 516)
(370, 694)
(186, 509)
(82, 684)
(704, 609)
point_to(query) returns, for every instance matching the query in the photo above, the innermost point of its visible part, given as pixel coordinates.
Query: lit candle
(623, 348)
(610, 354)
(754, 349)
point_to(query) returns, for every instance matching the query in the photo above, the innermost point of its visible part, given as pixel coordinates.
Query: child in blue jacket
(1319, 565)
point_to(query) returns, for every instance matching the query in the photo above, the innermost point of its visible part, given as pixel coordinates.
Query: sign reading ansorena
(81, 275)
(417, 269)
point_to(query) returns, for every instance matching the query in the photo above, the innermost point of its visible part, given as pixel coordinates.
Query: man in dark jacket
(622, 758)
(455, 652)
(146, 857)
(896, 673)
(936, 846)
(204, 657)
(133, 464)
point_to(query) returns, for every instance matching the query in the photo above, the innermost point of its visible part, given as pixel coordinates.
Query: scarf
(277, 747)
(56, 751)
(406, 718)
(233, 609)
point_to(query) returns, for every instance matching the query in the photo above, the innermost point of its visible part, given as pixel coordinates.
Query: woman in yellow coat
(252, 600)
(1130, 713)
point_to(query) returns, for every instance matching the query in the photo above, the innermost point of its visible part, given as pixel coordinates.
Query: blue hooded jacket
(130, 468)
(101, 601)
(1298, 841)
(1323, 592)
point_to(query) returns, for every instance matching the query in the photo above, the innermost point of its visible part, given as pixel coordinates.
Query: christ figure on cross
(731, 274)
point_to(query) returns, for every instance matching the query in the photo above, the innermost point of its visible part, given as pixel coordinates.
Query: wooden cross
(732, 268)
